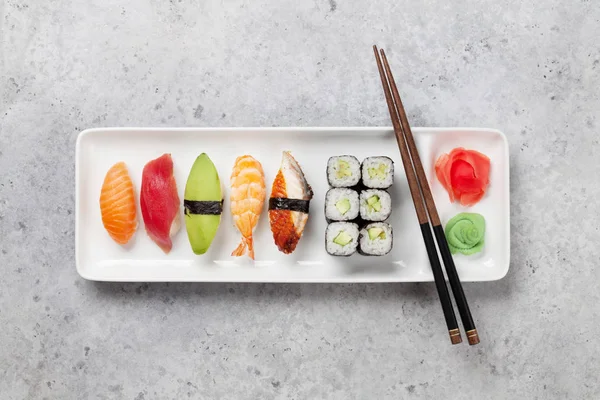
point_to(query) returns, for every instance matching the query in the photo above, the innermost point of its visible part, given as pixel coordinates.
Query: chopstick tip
(383, 55)
(455, 337)
(473, 337)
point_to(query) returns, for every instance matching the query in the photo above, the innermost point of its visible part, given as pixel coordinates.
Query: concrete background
(533, 72)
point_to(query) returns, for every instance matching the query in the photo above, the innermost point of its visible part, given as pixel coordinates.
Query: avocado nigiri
(203, 204)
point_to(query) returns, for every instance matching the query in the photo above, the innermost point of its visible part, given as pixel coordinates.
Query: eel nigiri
(117, 204)
(289, 204)
(203, 204)
(247, 199)
(160, 202)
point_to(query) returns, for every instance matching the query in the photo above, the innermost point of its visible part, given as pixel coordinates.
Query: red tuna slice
(159, 201)
(464, 174)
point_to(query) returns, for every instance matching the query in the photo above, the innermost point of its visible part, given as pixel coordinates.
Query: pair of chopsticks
(426, 211)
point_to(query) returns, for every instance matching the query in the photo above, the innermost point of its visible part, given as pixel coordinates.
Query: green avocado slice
(342, 238)
(343, 169)
(374, 203)
(343, 206)
(376, 233)
(379, 172)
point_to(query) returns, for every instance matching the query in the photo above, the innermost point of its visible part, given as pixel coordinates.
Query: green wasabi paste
(465, 233)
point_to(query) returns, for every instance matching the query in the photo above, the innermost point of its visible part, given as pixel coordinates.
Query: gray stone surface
(531, 71)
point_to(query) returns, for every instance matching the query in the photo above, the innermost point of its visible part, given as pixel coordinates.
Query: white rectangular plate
(99, 258)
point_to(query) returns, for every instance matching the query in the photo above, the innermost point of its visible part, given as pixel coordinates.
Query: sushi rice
(375, 205)
(341, 238)
(376, 239)
(377, 172)
(341, 204)
(343, 171)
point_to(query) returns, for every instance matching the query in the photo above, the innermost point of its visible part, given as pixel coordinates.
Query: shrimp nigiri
(289, 204)
(117, 204)
(248, 195)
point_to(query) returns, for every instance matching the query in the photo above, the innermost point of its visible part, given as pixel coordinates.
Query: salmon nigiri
(117, 204)
(247, 199)
(160, 202)
(289, 204)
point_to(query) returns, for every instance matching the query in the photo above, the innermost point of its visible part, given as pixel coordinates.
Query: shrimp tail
(250, 243)
(240, 250)
(246, 243)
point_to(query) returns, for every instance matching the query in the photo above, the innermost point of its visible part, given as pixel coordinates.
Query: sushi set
(284, 204)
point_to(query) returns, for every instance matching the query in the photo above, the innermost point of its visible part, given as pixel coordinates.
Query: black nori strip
(361, 222)
(198, 207)
(356, 220)
(279, 203)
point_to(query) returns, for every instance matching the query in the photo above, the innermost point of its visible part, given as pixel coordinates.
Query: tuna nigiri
(247, 199)
(160, 202)
(117, 204)
(289, 204)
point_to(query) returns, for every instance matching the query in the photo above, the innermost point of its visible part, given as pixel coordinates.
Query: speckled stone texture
(533, 72)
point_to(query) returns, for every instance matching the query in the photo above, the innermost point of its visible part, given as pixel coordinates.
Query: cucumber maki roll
(341, 238)
(341, 204)
(377, 172)
(376, 239)
(343, 171)
(375, 205)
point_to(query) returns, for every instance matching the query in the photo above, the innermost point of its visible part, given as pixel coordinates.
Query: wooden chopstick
(457, 290)
(438, 274)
